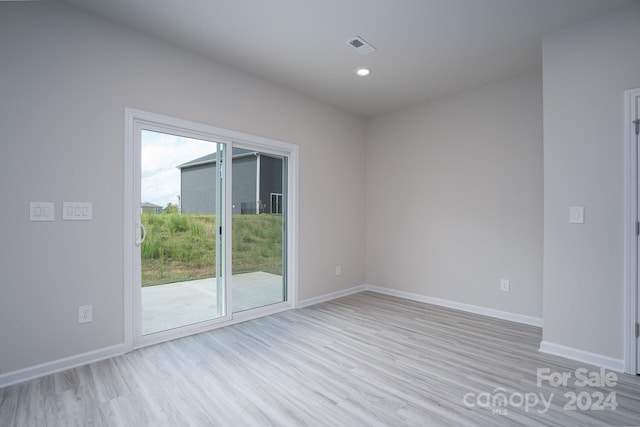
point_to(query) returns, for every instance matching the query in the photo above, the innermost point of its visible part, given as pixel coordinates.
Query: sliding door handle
(141, 233)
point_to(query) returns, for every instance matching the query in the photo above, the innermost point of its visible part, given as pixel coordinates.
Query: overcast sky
(161, 153)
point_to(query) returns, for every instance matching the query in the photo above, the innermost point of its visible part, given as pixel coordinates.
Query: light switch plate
(576, 215)
(85, 313)
(41, 211)
(77, 211)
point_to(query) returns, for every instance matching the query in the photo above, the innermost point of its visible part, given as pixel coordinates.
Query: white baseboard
(498, 314)
(330, 296)
(582, 356)
(43, 369)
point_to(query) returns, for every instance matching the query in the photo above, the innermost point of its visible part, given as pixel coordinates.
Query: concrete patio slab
(184, 303)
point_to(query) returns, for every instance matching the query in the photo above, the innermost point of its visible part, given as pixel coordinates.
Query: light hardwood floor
(362, 360)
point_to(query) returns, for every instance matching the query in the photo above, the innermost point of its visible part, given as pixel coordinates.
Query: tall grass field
(182, 247)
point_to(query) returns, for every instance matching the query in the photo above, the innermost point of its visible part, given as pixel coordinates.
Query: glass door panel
(259, 191)
(181, 213)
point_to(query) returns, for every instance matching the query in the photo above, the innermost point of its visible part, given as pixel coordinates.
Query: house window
(276, 203)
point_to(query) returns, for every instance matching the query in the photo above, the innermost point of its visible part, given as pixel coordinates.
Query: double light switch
(41, 211)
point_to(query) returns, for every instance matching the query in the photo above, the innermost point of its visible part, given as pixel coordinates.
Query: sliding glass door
(182, 196)
(259, 229)
(209, 229)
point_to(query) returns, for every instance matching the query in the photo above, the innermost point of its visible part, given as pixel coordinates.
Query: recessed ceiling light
(363, 72)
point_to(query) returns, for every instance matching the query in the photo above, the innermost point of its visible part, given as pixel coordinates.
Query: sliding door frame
(132, 323)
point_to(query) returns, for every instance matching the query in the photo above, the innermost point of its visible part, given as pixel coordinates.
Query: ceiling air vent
(360, 45)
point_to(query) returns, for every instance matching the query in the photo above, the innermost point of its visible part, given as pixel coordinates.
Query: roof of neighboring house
(149, 205)
(211, 158)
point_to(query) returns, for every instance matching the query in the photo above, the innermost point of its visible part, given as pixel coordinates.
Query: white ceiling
(425, 48)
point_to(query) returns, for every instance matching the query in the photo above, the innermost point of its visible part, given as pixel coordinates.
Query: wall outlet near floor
(338, 270)
(504, 285)
(85, 313)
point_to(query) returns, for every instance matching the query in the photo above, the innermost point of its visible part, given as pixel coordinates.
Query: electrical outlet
(338, 270)
(504, 285)
(85, 313)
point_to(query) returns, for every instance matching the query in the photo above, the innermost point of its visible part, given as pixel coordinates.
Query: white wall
(454, 197)
(65, 80)
(586, 70)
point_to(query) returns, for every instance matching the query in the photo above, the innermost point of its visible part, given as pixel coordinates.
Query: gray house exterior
(152, 208)
(257, 183)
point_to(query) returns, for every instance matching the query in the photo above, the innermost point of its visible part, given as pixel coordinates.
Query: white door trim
(630, 236)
